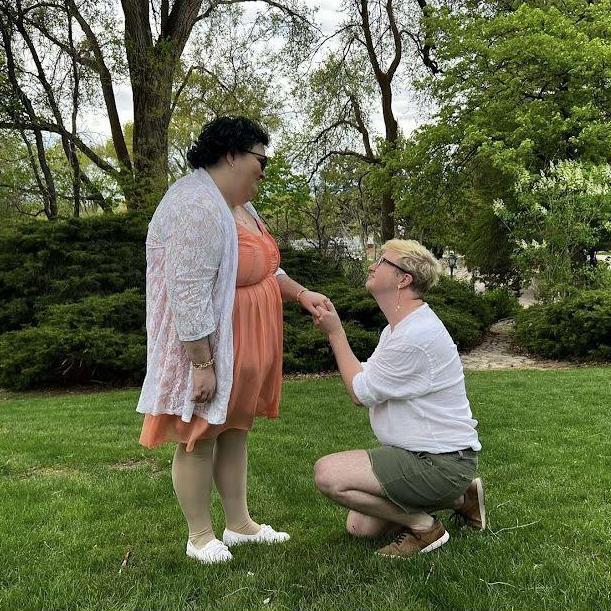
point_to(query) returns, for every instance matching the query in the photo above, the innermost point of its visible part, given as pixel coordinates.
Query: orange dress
(257, 349)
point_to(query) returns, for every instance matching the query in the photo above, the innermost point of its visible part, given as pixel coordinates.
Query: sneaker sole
(237, 543)
(230, 542)
(208, 562)
(429, 548)
(481, 501)
(443, 539)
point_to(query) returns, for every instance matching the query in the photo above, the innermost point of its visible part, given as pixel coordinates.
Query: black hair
(230, 134)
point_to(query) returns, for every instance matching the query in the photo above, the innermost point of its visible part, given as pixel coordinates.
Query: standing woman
(214, 331)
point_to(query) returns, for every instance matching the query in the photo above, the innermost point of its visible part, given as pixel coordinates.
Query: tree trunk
(152, 65)
(392, 134)
(152, 94)
(387, 216)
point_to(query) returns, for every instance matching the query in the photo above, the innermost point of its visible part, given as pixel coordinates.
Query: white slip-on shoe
(265, 535)
(214, 551)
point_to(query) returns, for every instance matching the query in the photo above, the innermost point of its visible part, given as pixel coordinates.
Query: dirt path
(496, 352)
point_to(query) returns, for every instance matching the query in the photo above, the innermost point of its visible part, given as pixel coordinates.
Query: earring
(398, 295)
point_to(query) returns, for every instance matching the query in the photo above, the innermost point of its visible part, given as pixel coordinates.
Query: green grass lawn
(78, 494)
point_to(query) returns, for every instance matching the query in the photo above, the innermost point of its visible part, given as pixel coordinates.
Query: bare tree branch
(45, 126)
(106, 83)
(278, 5)
(76, 166)
(180, 89)
(28, 191)
(396, 38)
(324, 41)
(425, 50)
(358, 114)
(323, 132)
(32, 161)
(67, 145)
(48, 190)
(344, 153)
(366, 27)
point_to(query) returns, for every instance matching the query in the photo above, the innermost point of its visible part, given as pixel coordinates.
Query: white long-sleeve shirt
(414, 387)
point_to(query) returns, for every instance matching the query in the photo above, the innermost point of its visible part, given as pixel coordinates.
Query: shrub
(460, 309)
(461, 297)
(554, 219)
(124, 312)
(72, 305)
(45, 355)
(465, 329)
(98, 338)
(307, 349)
(466, 315)
(310, 267)
(355, 304)
(503, 302)
(65, 261)
(578, 326)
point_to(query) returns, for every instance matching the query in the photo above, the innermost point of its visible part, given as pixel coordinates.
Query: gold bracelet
(203, 365)
(299, 294)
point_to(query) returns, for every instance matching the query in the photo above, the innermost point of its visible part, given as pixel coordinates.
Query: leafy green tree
(350, 185)
(94, 47)
(19, 193)
(22, 185)
(235, 79)
(381, 46)
(560, 217)
(521, 86)
(284, 201)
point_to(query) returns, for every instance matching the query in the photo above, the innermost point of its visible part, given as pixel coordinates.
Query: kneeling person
(413, 386)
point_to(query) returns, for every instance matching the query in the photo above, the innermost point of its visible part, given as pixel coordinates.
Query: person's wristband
(300, 293)
(203, 365)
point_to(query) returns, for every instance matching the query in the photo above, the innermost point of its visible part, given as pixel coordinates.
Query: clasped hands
(323, 312)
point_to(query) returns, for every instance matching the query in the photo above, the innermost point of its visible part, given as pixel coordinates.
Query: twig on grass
(234, 592)
(429, 574)
(128, 553)
(497, 583)
(496, 533)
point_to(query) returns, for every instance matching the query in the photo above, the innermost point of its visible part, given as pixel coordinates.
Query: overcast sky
(328, 16)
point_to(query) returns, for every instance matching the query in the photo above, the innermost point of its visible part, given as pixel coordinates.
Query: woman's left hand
(327, 319)
(311, 300)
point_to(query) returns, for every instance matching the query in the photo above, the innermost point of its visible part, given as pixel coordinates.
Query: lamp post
(452, 260)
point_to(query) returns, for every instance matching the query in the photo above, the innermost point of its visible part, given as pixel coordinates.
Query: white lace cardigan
(192, 258)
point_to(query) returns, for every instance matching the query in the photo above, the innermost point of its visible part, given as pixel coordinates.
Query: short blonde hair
(417, 261)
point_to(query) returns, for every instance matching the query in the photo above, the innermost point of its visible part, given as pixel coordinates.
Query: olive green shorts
(421, 481)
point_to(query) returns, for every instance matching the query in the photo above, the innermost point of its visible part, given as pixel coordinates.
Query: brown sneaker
(409, 543)
(473, 510)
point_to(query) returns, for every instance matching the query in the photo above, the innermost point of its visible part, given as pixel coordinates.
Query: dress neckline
(256, 235)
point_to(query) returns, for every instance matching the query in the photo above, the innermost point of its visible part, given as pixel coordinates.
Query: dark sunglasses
(384, 260)
(263, 159)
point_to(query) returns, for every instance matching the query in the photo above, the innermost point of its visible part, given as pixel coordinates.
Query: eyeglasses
(384, 260)
(263, 159)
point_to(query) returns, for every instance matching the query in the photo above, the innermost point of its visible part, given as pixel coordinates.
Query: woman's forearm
(289, 289)
(347, 363)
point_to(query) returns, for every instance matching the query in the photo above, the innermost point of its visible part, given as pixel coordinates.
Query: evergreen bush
(578, 326)
(503, 302)
(72, 305)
